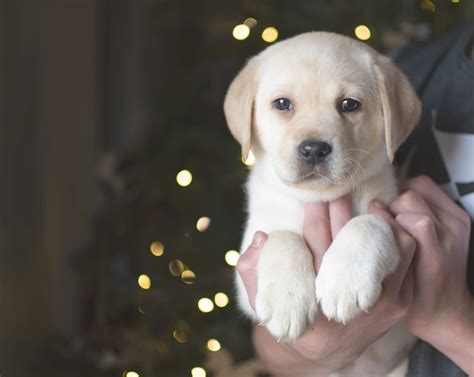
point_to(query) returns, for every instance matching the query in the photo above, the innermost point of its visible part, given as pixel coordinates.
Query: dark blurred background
(105, 253)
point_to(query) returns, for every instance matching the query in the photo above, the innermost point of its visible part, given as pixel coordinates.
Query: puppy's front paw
(344, 290)
(354, 267)
(285, 301)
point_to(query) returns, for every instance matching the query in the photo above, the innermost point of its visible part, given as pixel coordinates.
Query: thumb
(247, 265)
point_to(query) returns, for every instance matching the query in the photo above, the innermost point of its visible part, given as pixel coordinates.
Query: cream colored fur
(315, 71)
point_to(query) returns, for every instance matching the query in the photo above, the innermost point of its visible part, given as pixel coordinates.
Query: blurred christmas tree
(158, 277)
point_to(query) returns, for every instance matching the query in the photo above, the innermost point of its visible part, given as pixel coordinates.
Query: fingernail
(257, 239)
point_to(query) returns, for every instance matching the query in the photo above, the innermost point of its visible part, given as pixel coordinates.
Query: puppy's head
(322, 108)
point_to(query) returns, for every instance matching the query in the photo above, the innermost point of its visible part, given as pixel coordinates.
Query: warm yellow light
(250, 22)
(205, 305)
(213, 345)
(221, 299)
(428, 6)
(231, 257)
(176, 267)
(250, 161)
(157, 248)
(203, 223)
(455, 1)
(241, 32)
(188, 277)
(144, 281)
(132, 374)
(198, 372)
(184, 178)
(180, 336)
(362, 32)
(270, 34)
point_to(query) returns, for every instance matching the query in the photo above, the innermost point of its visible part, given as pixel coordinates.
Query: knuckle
(410, 198)
(243, 265)
(424, 223)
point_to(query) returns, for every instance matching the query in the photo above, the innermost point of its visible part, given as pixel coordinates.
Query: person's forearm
(282, 361)
(454, 338)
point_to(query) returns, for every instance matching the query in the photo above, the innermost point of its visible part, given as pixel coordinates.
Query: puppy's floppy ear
(400, 104)
(238, 105)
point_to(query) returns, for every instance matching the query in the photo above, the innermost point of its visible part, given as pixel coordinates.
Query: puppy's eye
(283, 104)
(349, 105)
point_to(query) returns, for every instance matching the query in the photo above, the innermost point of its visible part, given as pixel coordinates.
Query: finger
(317, 230)
(406, 247)
(421, 227)
(408, 287)
(431, 192)
(411, 201)
(340, 212)
(247, 266)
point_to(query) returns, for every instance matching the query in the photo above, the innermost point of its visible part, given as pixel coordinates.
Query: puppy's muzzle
(313, 152)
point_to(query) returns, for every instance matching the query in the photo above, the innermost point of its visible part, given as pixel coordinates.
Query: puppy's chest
(271, 209)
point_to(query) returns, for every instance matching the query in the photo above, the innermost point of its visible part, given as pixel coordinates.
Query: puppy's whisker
(361, 150)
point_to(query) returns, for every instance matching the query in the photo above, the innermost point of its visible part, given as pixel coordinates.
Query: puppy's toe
(287, 312)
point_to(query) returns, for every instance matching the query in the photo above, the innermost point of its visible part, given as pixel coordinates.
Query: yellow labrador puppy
(323, 115)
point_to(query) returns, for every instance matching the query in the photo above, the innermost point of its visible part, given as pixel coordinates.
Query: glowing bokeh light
(241, 32)
(213, 345)
(176, 267)
(362, 32)
(157, 248)
(428, 6)
(132, 374)
(188, 277)
(205, 305)
(184, 178)
(144, 281)
(221, 299)
(250, 22)
(198, 372)
(203, 223)
(180, 336)
(270, 34)
(231, 257)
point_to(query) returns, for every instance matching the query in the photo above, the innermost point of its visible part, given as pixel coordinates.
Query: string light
(205, 305)
(362, 32)
(144, 281)
(250, 161)
(221, 299)
(270, 34)
(231, 257)
(213, 345)
(198, 372)
(241, 32)
(250, 22)
(203, 223)
(188, 277)
(176, 267)
(157, 248)
(455, 1)
(184, 178)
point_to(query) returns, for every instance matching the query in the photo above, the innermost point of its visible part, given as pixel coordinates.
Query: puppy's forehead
(317, 58)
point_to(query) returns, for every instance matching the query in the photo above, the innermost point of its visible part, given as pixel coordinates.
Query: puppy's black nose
(313, 151)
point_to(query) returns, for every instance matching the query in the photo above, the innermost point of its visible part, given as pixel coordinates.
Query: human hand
(442, 312)
(322, 346)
